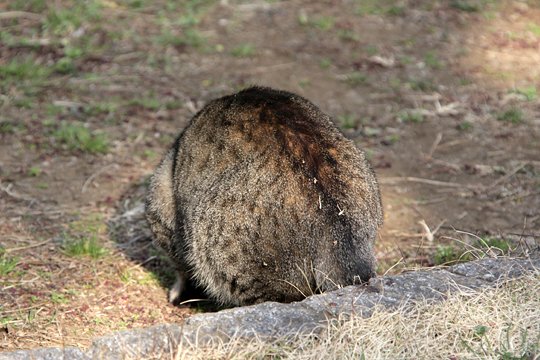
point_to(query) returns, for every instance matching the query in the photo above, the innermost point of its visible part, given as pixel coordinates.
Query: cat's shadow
(132, 236)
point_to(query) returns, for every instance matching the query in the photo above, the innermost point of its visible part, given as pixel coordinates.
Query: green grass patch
(395, 83)
(126, 276)
(34, 171)
(5, 320)
(58, 298)
(11, 41)
(82, 237)
(390, 139)
(77, 137)
(513, 115)
(447, 254)
(148, 278)
(529, 92)
(149, 154)
(371, 131)
(466, 5)
(92, 224)
(406, 60)
(36, 6)
(349, 35)
(347, 121)
(368, 7)
(303, 19)
(23, 103)
(464, 126)
(53, 110)
(174, 104)
(432, 60)
(411, 117)
(11, 127)
(325, 63)
(189, 37)
(64, 21)
(356, 78)
(7, 263)
(378, 7)
(84, 246)
(243, 50)
(396, 10)
(73, 52)
(303, 83)
(371, 50)
(135, 4)
(188, 19)
(65, 66)
(323, 23)
(148, 103)
(23, 69)
(142, 277)
(534, 28)
(186, 16)
(494, 243)
(421, 85)
(101, 108)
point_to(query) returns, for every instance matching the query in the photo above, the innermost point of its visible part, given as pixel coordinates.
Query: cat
(262, 198)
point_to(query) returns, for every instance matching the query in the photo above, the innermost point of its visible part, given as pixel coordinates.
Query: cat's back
(262, 131)
(267, 190)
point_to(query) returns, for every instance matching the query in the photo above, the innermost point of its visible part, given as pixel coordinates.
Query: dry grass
(500, 323)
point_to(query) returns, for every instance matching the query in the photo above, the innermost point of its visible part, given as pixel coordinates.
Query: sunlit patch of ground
(502, 45)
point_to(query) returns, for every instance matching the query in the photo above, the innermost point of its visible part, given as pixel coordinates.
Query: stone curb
(274, 320)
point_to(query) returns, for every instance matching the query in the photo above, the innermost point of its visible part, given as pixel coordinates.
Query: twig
(393, 266)
(507, 176)
(449, 165)
(28, 246)
(144, 262)
(438, 139)
(7, 190)
(517, 196)
(405, 234)
(94, 175)
(472, 248)
(448, 109)
(430, 201)
(431, 97)
(40, 306)
(33, 43)
(470, 232)
(386, 62)
(524, 235)
(7, 15)
(427, 232)
(391, 180)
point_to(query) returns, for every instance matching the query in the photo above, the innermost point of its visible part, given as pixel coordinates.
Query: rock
(46, 354)
(275, 320)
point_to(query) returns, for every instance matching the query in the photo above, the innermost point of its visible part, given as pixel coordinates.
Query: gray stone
(275, 320)
(134, 344)
(46, 354)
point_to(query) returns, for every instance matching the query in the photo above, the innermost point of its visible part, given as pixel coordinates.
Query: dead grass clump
(500, 323)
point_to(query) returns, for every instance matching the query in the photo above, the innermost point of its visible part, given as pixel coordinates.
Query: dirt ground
(442, 96)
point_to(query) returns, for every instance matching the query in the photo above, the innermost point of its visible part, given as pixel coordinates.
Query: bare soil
(443, 98)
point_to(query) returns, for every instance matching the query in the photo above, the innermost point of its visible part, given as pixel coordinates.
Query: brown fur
(262, 198)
